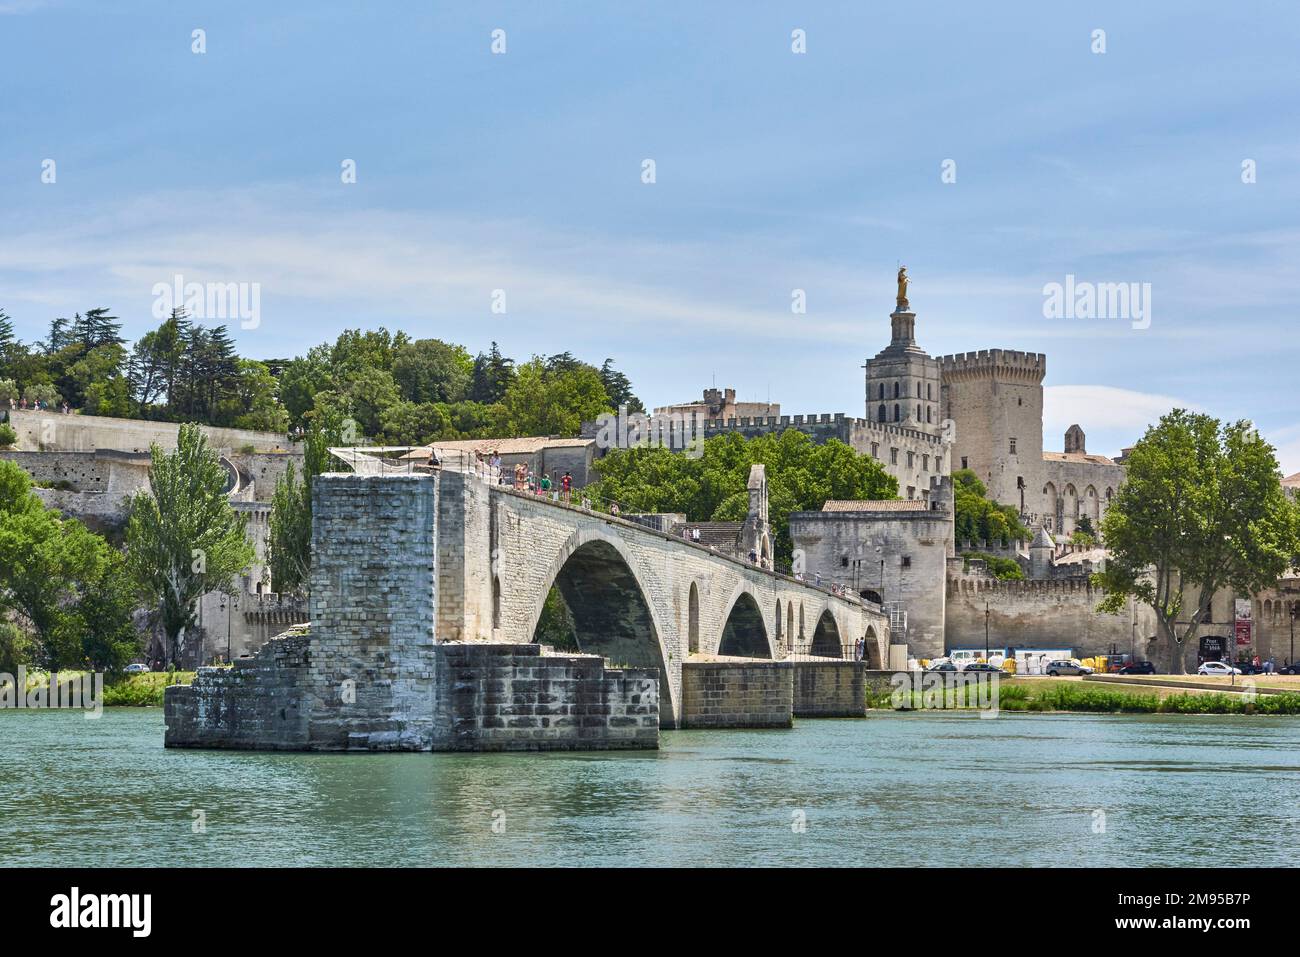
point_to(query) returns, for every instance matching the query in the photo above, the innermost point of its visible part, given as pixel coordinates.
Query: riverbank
(1069, 695)
(143, 690)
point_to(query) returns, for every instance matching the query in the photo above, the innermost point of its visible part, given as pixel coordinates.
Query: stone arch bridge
(448, 554)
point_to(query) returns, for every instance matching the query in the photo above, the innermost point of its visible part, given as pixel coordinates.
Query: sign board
(1243, 622)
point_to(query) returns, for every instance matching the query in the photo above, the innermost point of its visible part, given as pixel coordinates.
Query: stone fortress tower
(994, 398)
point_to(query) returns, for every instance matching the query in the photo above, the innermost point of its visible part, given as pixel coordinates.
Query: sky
(992, 151)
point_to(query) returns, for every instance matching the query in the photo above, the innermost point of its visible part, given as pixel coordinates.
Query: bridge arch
(743, 632)
(826, 640)
(595, 575)
(871, 653)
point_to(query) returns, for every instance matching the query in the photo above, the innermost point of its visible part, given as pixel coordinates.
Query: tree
(491, 376)
(185, 539)
(619, 389)
(979, 519)
(63, 583)
(10, 347)
(801, 476)
(289, 541)
(430, 370)
(552, 397)
(1201, 508)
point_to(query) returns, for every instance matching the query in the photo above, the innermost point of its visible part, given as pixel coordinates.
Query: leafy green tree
(979, 519)
(412, 423)
(552, 397)
(255, 405)
(42, 392)
(302, 380)
(10, 347)
(491, 376)
(155, 363)
(63, 583)
(289, 541)
(430, 370)
(1003, 569)
(619, 388)
(1201, 509)
(801, 476)
(185, 539)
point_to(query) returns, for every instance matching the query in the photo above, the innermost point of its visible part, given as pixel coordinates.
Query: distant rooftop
(1077, 457)
(876, 505)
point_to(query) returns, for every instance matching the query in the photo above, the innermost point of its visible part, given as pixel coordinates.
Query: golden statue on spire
(903, 280)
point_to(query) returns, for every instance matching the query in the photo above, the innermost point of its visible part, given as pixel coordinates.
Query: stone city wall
(85, 433)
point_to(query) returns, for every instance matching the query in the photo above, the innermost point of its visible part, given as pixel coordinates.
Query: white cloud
(1104, 409)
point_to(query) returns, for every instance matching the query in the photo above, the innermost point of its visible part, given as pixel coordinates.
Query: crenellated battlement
(837, 420)
(982, 584)
(1001, 362)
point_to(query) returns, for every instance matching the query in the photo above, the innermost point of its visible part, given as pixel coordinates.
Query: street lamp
(986, 629)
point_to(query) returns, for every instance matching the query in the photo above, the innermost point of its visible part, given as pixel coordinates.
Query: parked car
(1063, 666)
(943, 666)
(983, 667)
(135, 668)
(1217, 668)
(1291, 669)
(1138, 668)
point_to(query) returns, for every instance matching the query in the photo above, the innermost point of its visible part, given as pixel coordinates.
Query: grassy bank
(132, 691)
(1079, 697)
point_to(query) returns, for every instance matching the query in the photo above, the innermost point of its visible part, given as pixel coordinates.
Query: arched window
(918, 388)
(881, 414)
(898, 416)
(895, 390)
(927, 391)
(882, 390)
(918, 413)
(928, 411)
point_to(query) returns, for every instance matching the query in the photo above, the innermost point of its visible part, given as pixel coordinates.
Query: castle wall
(1052, 614)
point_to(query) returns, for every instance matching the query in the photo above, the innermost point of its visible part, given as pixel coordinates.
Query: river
(916, 789)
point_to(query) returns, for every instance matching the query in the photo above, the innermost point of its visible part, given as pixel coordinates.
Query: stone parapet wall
(829, 689)
(737, 694)
(500, 697)
(85, 433)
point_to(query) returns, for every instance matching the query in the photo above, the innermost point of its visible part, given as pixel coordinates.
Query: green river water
(891, 789)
